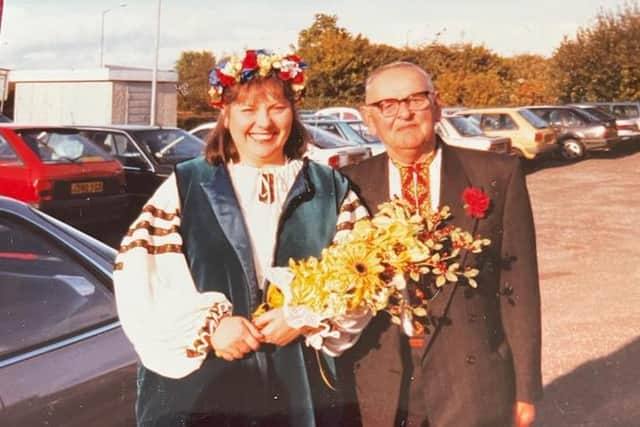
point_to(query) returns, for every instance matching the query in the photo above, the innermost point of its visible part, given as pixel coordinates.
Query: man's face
(408, 130)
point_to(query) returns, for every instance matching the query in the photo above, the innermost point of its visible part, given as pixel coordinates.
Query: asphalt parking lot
(587, 215)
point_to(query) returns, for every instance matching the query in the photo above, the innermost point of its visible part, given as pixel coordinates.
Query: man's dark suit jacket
(484, 349)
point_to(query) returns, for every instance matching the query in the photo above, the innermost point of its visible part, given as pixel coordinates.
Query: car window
(324, 139)
(61, 146)
(497, 122)
(169, 145)
(574, 119)
(120, 147)
(8, 156)
(626, 111)
(465, 127)
(46, 294)
(329, 127)
(532, 119)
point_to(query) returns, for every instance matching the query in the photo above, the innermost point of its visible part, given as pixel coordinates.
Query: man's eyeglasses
(415, 102)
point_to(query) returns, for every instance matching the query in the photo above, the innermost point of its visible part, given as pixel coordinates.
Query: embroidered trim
(351, 206)
(202, 344)
(159, 213)
(348, 225)
(153, 230)
(153, 250)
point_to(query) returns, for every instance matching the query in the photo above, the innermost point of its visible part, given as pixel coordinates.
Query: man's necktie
(415, 183)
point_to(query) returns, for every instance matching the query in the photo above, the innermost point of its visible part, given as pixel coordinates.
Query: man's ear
(365, 112)
(437, 109)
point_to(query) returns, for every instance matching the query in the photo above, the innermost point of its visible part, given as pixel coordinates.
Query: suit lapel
(374, 187)
(225, 206)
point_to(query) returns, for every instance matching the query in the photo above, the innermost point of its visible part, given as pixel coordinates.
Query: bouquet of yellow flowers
(384, 263)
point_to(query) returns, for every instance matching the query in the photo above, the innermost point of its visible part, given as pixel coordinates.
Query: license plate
(87, 187)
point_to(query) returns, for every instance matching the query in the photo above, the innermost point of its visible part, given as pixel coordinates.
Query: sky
(62, 34)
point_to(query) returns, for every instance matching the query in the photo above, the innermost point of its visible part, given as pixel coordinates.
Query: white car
(325, 148)
(342, 113)
(462, 132)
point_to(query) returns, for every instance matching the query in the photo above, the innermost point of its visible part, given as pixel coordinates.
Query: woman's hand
(275, 329)
(234, 337)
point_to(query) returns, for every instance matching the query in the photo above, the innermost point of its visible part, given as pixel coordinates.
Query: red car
(62, 173)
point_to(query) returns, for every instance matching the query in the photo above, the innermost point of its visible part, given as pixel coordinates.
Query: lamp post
(154, 78)
(104, 12)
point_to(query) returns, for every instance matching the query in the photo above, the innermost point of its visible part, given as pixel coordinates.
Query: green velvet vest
(276, 385)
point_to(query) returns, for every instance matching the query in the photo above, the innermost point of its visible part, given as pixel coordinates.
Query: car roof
(488, 110)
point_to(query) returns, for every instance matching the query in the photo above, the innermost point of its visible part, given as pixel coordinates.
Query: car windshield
(533, 119)
(62, 146)
(169, 145)
(324, 139)
(464, 126)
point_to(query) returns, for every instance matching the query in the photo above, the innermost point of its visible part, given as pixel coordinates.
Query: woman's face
(260, 124)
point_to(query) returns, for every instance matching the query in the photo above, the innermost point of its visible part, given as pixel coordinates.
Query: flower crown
(232, 70)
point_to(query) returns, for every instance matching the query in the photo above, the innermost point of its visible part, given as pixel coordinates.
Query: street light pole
(154, 78)
(104, 12)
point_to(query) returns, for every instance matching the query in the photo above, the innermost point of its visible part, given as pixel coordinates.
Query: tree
(602, 63)
(338, 63)
(193, 80)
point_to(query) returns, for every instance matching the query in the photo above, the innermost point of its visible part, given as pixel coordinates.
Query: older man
(479, 363)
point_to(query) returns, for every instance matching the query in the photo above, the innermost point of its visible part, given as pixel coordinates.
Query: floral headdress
(232, 70)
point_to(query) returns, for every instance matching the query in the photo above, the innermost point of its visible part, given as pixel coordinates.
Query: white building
(101, 96)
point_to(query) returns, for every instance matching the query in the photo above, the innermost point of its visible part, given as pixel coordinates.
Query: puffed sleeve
(162, 313)
(341, 333)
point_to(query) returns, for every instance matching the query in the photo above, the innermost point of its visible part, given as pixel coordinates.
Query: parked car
(577, 130)
(5, 119)
(352, 130)
(203, 130)
(462, 132)
(327, 148)
(64, 360)
(531, 137)
(627, 128)
(147, 153)
(342, 113)
(334, 151)
(62, 173)
(622, 110)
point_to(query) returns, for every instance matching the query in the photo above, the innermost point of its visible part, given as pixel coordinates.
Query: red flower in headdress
(250, 61)
(225, 80)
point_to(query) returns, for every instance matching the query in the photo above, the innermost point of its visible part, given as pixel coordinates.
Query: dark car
(147, 153)
(61, 172)
(5, 119)
(578, 131)
(627, 116)
(64, 360)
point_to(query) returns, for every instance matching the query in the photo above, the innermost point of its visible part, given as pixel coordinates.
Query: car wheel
(571, 149)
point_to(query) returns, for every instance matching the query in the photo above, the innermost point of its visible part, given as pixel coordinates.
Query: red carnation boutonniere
(476, 202)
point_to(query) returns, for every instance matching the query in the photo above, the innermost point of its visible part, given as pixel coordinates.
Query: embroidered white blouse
(160, 309)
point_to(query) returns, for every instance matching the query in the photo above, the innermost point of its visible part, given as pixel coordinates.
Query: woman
(191, 269)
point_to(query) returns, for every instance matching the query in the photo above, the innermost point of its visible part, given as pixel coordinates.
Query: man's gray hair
(397, 64)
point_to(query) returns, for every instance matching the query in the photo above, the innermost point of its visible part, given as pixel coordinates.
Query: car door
(15, 176)
(141, 180)
(64, 359)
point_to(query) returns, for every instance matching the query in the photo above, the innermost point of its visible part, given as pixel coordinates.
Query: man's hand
(523, 414)
(234, 337)
(275, 328)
